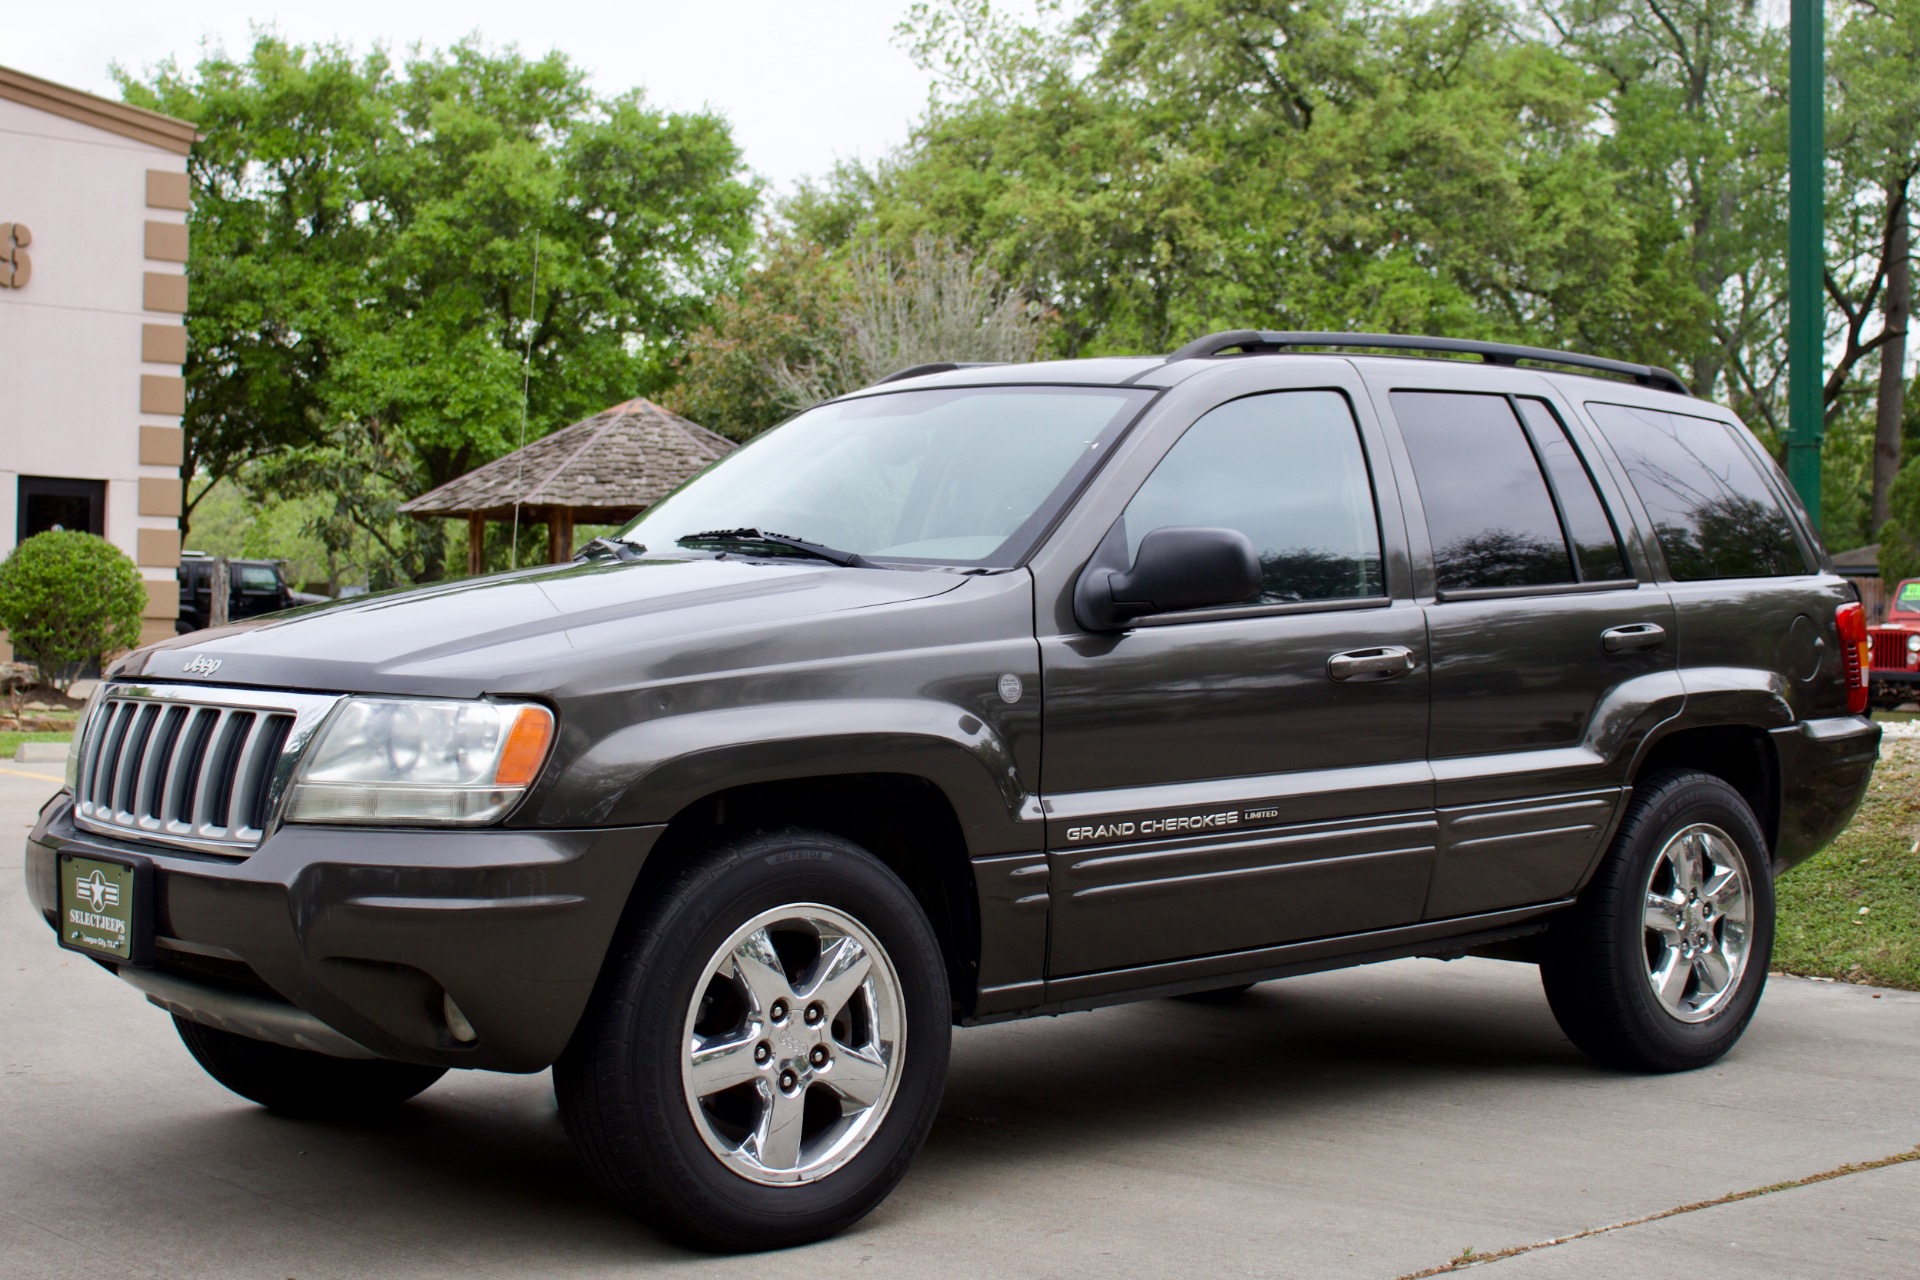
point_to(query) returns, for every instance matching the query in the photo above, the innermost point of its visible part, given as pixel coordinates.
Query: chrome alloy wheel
(794, 1043)
(1697, 921)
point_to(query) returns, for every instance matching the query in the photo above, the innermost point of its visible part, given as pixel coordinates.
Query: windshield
(1907, 600)
(962, 476)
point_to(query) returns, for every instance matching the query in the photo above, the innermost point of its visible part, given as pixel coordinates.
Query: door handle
(1635, 637)
(1383, 663)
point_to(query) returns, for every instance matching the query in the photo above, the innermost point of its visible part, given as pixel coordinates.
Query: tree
(68, 599)
(810, 325)
(281, 242)
(1695, 109)
(1157, 168)
(377, 226)
(1875, 134)
(785, 313)
(934, 303)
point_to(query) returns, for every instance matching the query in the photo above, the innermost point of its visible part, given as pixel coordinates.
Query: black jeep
(254, 588)
(989, 692)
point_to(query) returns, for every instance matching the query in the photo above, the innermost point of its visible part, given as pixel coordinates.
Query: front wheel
(1661, 964)
(769, 1047)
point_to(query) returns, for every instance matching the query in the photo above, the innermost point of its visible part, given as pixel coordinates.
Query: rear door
(1551, 650)
(1234, 778)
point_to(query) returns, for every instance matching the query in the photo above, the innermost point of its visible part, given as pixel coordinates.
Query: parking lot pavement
(1371, 1123)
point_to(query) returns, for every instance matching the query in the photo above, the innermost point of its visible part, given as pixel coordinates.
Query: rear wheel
(299, 1082)
(1661, 964)
(769, 1047)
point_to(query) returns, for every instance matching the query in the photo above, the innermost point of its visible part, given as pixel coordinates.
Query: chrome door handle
(1635, 637)
(1383, 663)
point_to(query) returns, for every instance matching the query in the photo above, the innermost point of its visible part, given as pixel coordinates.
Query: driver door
(1230, 779)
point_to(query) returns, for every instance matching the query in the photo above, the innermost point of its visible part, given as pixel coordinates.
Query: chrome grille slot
(201, 768)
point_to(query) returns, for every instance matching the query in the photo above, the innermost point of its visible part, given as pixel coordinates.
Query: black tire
(299, 1082)
(1217, 995)
(1597, 957)
(619, 1082)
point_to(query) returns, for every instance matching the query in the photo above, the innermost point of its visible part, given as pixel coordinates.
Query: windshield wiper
(618, 548)
(832, 555)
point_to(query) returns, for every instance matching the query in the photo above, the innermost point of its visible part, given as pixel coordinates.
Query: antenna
(526, 377)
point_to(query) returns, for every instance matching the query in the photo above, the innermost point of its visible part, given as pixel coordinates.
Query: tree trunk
(1893, 356)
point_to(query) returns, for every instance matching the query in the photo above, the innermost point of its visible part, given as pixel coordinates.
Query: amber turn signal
(526, 747)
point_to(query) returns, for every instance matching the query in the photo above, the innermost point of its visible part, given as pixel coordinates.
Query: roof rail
(1260, 342)
(933, 366)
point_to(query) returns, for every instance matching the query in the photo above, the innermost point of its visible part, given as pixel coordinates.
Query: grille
(200, 768)
(1890, 650)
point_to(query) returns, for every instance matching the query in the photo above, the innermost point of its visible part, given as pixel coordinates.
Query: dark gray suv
(988, 692)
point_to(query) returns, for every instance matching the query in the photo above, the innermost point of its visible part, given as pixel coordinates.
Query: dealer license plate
(99, 907)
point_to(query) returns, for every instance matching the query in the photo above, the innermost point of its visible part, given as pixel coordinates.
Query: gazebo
(605, 470)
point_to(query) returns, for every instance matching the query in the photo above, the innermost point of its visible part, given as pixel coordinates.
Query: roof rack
(1261, 342)
(933, 366)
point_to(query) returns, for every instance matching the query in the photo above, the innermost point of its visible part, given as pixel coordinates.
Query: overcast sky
(804, 82)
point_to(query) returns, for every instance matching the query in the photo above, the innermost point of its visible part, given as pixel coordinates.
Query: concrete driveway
(1374, 1123)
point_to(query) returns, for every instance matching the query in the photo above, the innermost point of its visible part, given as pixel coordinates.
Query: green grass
(11, 740)
(1874, 864)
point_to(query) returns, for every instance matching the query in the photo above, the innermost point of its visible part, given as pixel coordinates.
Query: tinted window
(1596, 545)
(255, 579)
(1489, 514)
(1287, 470)
(1714, 513)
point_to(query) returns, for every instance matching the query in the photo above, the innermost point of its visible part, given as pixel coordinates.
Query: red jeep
(1895, 647)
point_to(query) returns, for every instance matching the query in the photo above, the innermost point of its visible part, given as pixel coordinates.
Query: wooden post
(218, 586)
(559, 535)
(476, 543)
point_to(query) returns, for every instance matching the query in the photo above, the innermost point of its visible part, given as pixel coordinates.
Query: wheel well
(1741, 756)
(905, 821)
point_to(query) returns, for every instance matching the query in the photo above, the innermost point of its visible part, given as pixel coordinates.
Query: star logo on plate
(97, 891)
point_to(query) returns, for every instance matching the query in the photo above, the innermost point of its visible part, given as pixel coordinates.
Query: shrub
(67, 599)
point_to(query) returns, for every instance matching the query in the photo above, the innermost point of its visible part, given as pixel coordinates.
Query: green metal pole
(1806, 237)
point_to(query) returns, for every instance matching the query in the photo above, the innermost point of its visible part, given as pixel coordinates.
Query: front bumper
(370, 930)
(1825, 766)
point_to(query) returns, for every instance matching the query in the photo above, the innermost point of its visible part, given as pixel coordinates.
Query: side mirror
(1177, 568)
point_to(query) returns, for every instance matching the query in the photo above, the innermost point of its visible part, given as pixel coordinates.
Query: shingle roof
(607, 469)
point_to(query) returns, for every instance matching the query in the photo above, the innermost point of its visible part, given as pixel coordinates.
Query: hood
(505, 633)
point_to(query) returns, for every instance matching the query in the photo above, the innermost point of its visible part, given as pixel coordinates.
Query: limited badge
(1011, 688)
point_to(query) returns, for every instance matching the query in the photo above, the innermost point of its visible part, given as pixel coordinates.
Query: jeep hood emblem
(202, 666)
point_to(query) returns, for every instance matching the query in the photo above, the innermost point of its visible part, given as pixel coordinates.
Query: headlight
(1913, 644)
(394, 760)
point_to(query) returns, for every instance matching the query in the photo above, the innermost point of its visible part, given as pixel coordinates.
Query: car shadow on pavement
(484, 1157)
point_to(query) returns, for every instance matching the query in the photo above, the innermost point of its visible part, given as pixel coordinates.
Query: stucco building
(93, 299)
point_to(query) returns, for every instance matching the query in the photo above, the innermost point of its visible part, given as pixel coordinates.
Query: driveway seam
(1470, 1258)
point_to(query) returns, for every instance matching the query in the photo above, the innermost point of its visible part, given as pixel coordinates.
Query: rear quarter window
(1712, 508)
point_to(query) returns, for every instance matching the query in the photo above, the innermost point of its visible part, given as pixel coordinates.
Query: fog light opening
(457, 1024)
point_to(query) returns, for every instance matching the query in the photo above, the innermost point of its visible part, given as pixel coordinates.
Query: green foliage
(811, 325)
(1164, 167)
(1900, 535)
(784, 314)
(364, 263)
(1823, 930)
(68, 599)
